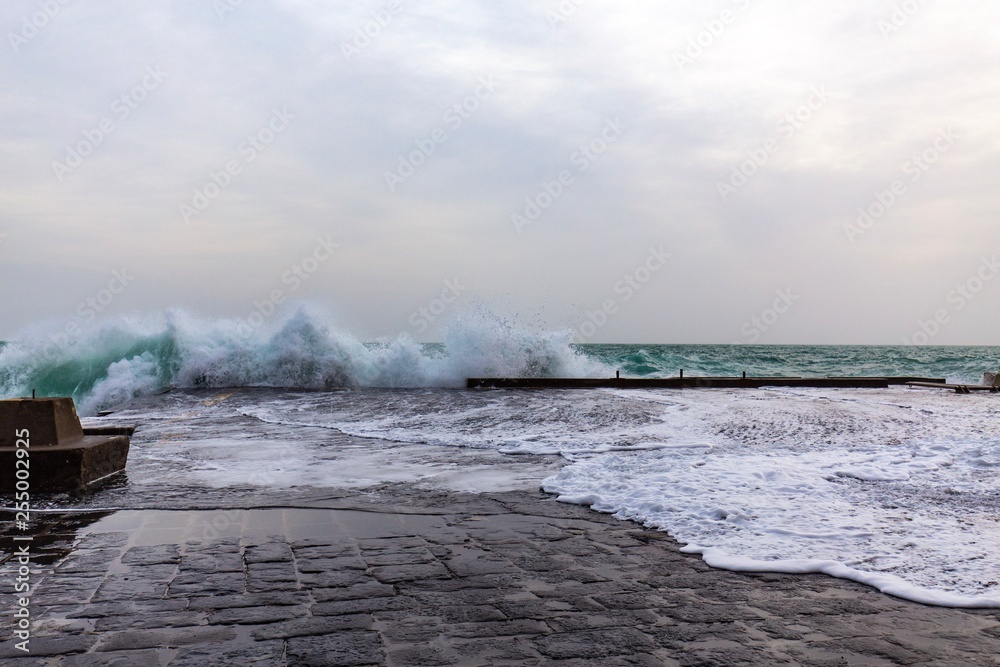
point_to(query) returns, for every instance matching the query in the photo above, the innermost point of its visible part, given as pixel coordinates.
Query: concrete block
(59, 456)
(50, 420)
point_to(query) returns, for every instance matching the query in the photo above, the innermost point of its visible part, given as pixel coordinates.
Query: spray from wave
(116, 360)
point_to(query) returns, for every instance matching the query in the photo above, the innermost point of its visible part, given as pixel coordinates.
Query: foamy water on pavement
(896, 488)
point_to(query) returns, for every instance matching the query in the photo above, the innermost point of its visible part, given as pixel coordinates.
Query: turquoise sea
(118, 360)
(958, 363)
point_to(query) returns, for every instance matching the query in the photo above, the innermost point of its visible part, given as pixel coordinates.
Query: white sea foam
(107, 362)
(518, 422)
(878, 492)
(893, 488)
(227, 462)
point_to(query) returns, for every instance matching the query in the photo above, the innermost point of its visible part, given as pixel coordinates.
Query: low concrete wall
(691, 382)
(67, 467)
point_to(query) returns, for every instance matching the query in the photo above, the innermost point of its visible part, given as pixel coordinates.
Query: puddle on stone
(154, 527)
(52, 535)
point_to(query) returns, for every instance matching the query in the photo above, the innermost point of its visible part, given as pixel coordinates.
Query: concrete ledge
(959, 388)
(692, 382)
(109, 430)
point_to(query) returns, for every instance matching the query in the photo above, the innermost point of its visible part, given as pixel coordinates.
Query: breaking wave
(119, 359)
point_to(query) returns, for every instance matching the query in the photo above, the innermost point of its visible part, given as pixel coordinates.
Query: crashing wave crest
(115, 360)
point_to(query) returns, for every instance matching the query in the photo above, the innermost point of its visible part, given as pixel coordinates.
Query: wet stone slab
(349, 648)
(256, 654)
(498, 579)
(162, 554)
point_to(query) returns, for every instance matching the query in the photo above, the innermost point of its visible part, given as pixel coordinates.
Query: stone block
(57, 456)
(51, 421)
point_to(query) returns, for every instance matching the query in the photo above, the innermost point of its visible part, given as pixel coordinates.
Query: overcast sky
(682, 171)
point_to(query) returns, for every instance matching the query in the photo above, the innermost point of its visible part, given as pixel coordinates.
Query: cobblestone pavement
(411, 577)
